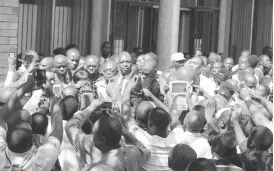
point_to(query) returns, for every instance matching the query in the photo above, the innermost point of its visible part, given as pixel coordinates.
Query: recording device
(57, 91)
(179, 91)
(178, 87)
(40, 77)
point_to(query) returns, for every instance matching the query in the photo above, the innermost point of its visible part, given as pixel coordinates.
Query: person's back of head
(69, 105)
(195, 121)
(253, 60)
(142, 111)
(70, 91)
(71, 46)
(19, 137)
(199, 108)
(180, 156)
(158, 121)
(107, 132)
(224, 145)
(39, 123)
(201, 164)
(260, 138)
(267, 50)
(60, 51)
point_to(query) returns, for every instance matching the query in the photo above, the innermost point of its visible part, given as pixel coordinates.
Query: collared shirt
(102, 60)
(159, 147)
(207, 85)
(198, 142)
(42, 158)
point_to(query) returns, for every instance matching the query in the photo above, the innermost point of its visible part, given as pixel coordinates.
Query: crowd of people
(118, 112)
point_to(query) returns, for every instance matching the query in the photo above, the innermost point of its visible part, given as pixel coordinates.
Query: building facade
(161, 26)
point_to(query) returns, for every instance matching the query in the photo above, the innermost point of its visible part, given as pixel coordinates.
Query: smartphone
(57, 90)
(178, 87)
(41, 77)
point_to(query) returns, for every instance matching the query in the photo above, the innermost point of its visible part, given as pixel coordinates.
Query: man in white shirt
(105, 52)
(194, 123)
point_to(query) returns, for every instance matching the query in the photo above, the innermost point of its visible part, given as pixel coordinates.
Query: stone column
(168, 32)
(224, 26)
(96, 26)
(9, 11)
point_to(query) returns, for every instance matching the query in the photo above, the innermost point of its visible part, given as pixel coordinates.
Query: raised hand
(236, 111)
(210, 109)
(147, 93)
(244, 94)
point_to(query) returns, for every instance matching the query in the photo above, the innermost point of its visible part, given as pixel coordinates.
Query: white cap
(177, 57)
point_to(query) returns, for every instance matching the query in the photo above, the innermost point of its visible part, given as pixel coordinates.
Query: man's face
(140, 62)
(92, 66)
(228, 63)
(74, 61)
(125, 64)
(106, 49)
(216, 68)
(261, 90)
(250, 82)
(61, 66)
(266, 62)
(195, 63)
(82, 62)
(109, 71)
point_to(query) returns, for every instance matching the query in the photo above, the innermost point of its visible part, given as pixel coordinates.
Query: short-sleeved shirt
(42, 158)
(159, 147)
(126, 158)
(198, 142)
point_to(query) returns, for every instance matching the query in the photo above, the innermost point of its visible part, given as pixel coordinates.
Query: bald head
(110, 69)
(216, 67)
(213, 57)
(92, 64)
(73, 56)
(150, 56)
(196, 63)
(141, 112)
(248, 71)
(195, 121)
(250, 81)
(61, 64)
(228, 63)
(243, 59)
(47, 62)
(221, 101)
(149, 67)
(234, 83)
(125, 63)
(245, 53)
(70, 91)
